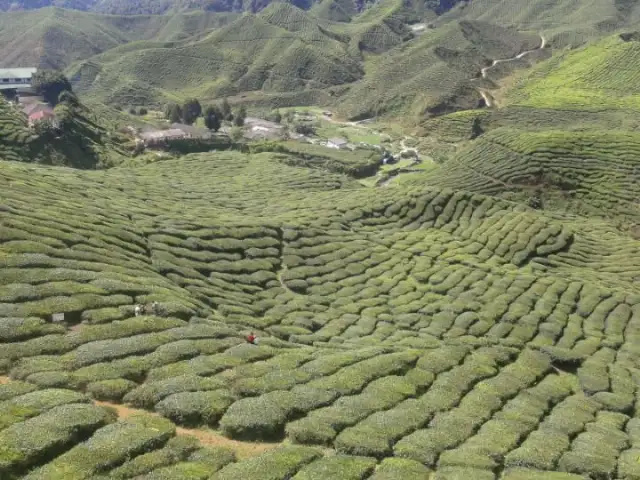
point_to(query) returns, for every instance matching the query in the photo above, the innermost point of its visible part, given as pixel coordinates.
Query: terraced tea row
(401, 331)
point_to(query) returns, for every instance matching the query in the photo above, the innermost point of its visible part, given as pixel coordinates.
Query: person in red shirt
(251, 338)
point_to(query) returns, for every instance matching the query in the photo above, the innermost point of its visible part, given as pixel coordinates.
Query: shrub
(462, 473)
(20, 329)
(261, 417)
(338, 466)
(50, 379)
(15, 389)
(400, 469)
(195, 408)
(19, 408)
(24, 443)
(176, 450)
(108, 447)
(112, 390)
(529, 474)
(216, 457)
(282, 462)
(150, 393)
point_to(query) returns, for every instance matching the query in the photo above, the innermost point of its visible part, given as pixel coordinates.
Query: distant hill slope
(146, 7)
(281, 50)
(55, 38)
(434, 73)
(601, 76)
(564, 22)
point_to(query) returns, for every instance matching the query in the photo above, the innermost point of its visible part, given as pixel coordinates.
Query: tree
(236, 134)
(275, 116)
(50, 84)
(212, 118)
(174, 113)
(226, 110)
(240, 115)
(191, 110)
(304, 128)
(69, 98)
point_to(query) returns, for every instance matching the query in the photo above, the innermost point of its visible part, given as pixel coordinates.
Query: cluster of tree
(213, 115)
(138, 111)
(51, 84)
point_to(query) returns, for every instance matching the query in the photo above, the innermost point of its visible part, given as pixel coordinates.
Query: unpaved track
(207, 437)
(543, 43)
(488, 99)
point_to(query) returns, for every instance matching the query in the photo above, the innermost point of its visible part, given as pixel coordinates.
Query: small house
(338, 143)
(42, 115)
(16, 78)
(159, 137)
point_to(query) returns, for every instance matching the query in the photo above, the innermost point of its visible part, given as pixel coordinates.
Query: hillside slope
(55, 38)
(155, 7)
(434, 73)
(282, 50)
(564, 22)
(84, 143)
(384, 318)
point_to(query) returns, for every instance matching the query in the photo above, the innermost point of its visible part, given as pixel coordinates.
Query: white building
(338, 143)
(13, 78)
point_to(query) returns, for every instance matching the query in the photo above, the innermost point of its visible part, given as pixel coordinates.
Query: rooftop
(17, 72)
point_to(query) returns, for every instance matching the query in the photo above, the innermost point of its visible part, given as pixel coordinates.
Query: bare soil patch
(206, 437)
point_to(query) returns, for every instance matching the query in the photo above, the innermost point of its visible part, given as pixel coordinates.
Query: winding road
(517, 57)
(487, 98)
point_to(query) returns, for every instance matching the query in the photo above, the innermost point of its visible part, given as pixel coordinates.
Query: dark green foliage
(174, 112)
(50, 84)
(212, 118)
(276, 464)
(191, 110)
(225, 107)
(239, 116)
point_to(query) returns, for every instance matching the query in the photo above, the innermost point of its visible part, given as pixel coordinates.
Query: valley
(343, 240)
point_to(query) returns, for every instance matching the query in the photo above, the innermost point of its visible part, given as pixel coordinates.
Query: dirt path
(543, 43)
(488, 99)
(206, 437)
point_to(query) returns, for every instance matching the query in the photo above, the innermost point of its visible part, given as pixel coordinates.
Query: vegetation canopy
(377, 240)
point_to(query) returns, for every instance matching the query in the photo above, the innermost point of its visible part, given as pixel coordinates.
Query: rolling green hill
(285, 56)
(55, 38)
(564, 22)
(341, 8)
(281, 50)
(434, 73)
(409, 329)
(475, 318)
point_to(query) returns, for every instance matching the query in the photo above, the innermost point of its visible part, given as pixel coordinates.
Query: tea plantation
(404, 333)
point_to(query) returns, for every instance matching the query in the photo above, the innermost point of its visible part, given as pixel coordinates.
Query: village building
(41, 116)
(15, 78)
(192, 132)
(338, 143)
(158, 137)
(257, 128)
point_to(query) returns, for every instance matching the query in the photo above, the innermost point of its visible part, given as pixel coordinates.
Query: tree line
(213, 115)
